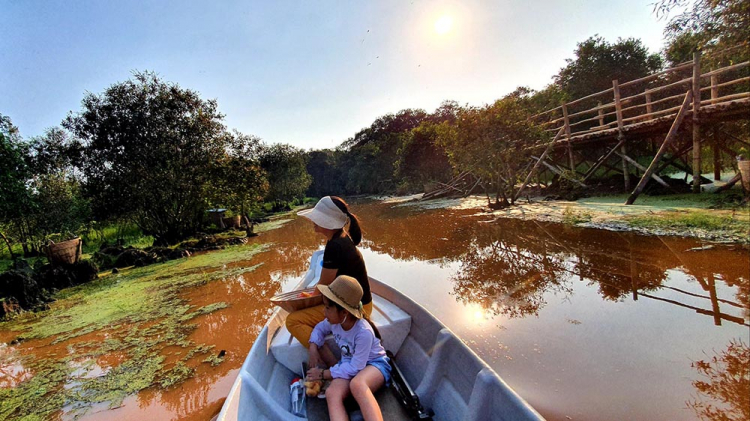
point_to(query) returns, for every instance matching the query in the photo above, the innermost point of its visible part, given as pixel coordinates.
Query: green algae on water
(142, 317)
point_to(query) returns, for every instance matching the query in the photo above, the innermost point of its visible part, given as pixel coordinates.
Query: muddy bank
(706, 217)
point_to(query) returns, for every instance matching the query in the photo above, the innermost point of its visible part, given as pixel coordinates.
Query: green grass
(572, 217)
(737, 224)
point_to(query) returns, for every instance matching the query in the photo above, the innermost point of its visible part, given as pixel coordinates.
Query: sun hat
(326, 214)
(346, 292)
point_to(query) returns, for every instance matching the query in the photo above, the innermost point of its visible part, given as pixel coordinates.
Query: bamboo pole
(717, 151)
(642, 168)
(618, 108)
(663, 149)
(567, 134)
(601, 113)
(536, 165)
(601, 160)
(696, 122)
(649, 106)
(560, 173)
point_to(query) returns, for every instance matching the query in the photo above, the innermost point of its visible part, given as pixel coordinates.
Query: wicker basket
(65, 252)
(291, 301)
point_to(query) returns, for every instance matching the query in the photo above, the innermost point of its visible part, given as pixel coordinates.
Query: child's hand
(315, 374)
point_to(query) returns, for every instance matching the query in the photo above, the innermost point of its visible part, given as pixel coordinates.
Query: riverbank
(709, 217)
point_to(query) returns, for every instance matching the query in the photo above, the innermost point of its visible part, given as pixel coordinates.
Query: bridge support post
(623, 151)
(696, 122)
(662, 150)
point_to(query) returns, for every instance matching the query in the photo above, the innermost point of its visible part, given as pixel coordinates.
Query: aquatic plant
(138, 315)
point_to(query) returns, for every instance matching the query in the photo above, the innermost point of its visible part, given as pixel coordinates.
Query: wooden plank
(642, 168)
(663, 149)
(536, 165)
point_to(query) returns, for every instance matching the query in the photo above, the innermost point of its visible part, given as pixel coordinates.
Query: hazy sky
(308, 73)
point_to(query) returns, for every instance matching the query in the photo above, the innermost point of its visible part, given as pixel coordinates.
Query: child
(364, 367)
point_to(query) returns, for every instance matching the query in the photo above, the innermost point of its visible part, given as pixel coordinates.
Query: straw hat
(326, 214)
(346, 292)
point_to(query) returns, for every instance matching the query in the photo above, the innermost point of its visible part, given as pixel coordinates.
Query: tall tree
(240, 182)
(705, 23)
(15, 197)
(286, 167)
(325, 170)
(148, 150)
(598, 63)
(493, 143)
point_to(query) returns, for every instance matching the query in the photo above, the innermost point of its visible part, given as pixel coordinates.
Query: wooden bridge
(593, 134)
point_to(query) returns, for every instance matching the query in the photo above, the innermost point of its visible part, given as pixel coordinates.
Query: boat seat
(392, 322)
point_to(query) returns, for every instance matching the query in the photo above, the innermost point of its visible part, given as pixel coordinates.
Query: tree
(148, 149)
(493, 144)
(286, 167)
(370, 156)
(240, 182)
(15, 197)
(420, 158)
(705, 23)
(325, 170)
(598, 63)
(56, 188)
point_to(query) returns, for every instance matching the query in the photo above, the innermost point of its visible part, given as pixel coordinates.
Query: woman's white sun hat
(326, 214)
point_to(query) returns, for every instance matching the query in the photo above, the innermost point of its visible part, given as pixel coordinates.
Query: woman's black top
(341, 254)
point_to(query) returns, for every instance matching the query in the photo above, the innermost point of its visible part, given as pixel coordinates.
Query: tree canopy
(597, 63)
(149, 148)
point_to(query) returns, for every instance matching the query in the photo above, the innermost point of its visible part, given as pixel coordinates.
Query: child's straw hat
(346, 292)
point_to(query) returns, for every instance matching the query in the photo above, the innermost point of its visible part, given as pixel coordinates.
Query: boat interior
(449, 378)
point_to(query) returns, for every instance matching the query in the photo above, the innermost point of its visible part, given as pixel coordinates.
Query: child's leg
(362, 387)
(335, 395)
(328, 356)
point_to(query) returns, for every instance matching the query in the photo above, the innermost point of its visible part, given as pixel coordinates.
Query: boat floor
(317, 409)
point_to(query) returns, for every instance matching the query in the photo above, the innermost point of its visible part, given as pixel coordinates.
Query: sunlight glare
(443, 25)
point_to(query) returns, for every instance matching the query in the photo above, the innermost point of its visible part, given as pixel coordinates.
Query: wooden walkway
(594, 133)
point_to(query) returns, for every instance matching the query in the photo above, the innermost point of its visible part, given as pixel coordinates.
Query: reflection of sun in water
(443, 25)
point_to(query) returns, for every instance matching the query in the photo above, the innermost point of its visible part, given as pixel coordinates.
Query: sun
(443, 25)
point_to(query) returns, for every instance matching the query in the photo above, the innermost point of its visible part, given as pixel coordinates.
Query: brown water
(584, 324)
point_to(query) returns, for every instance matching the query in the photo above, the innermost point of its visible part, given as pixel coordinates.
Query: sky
(310, 74)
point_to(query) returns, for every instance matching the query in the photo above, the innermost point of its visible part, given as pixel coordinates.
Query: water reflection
(724, 395)
(508, 266)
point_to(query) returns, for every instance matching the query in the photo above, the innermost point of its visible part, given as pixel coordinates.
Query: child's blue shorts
(383, 364)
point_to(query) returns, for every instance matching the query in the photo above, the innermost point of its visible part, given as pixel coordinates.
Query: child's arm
(346, 370)
(317, 339)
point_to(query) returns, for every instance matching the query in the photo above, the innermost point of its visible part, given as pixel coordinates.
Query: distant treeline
(152, 153)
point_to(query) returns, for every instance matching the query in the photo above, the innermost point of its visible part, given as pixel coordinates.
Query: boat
(442, 378)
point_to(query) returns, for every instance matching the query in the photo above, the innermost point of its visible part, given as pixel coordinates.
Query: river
(584, 324)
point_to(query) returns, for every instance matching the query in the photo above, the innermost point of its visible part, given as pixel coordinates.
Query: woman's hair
(355, 231)
(364, 316)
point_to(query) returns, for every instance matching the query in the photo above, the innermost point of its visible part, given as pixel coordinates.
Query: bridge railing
(655, 97)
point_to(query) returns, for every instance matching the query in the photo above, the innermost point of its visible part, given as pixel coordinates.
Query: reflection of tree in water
(725, 395)
(509, 276)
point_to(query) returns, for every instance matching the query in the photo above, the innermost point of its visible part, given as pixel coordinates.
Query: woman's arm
(327, 276)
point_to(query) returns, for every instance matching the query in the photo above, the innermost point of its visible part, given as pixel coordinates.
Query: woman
(341, 257)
